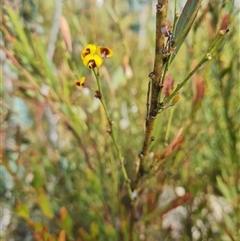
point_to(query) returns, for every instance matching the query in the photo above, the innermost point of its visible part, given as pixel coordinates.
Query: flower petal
(104, 52)
(92, 61)
(98, 60)
(89, 49)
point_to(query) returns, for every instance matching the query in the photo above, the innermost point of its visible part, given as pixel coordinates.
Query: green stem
(175, 15)
(179, 86)
(204, 59)
(165, 69)
(112, 134)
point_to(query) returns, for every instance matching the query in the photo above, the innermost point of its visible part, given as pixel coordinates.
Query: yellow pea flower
(80, 82)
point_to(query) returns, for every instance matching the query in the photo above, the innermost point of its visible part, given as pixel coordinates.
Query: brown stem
(148, 98)
(161, 14)
(156, 76)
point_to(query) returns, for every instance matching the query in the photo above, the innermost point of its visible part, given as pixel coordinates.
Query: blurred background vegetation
(60, 176)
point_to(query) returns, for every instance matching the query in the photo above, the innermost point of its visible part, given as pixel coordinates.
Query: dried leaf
(199, 89)
(151, 201)
(66, 220)
(84, 234)
(165, 30)
(225, 22)
(168, 86)
(62, 235)
(175, 143)
(178, 201)
(66, 34)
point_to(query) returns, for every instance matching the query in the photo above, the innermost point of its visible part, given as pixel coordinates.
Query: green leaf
(185, 23)
(44, 204)
(94, 229)
(22, 210)
(17, 25)
(223, 188)
(94, 182)
(46, 64)
(37, 181)
(110, 231)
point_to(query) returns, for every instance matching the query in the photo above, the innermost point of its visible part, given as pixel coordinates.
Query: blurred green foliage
(60, 177)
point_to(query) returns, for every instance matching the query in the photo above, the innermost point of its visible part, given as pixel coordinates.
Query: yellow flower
(93, 56)
(104, 52)
(89, 49)
(92, 61)
(80, 82)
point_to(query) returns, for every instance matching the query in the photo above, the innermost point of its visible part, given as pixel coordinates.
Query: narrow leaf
(17, 25)
(38, 179)
(46, 64)
(175, 143)
(185, 23)
(22, 210)
(45, 205)
(62, 235)
(225, 190)
(66, 34)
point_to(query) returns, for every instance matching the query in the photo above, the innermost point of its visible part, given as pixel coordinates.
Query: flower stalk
(93, 57)
(112, 133)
